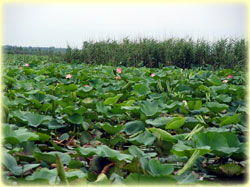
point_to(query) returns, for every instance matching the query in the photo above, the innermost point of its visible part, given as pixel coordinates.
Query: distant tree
(76, 55)
(39, 51)
(68, 54)
(51, 54)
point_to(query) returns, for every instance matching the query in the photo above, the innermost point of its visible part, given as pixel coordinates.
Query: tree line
(184, 53)
(8, 49)
(148, 52)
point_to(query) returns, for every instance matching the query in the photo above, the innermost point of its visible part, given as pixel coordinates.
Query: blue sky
(59, 24)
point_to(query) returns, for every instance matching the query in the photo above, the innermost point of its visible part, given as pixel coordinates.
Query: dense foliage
(227, 53)
(183, 53)
(78, 124)
(8, 49)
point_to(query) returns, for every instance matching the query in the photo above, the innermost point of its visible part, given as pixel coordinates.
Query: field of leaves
(80, 124)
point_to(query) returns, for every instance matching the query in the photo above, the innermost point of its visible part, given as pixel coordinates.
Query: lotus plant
(119, 70)
(225, 81)
(118, 78)
(68, 76)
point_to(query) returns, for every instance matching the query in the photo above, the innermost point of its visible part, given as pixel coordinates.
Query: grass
(183, 53)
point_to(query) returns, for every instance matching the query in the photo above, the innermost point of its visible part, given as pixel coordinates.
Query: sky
(46, 25)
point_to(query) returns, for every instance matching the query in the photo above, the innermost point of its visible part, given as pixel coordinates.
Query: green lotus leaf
(45, 174)
(222, 89)
(102, 179)
(50, 157)
(191, 121)
(227, 120)
(140, 179)
(75, 164)
(226, 143)
(29, 71)
(86, 152)
(181, 149)
(85, 137)
(116, 179)
(54, 124)
(105, 151)
(68, 110)
(131, 108)
(110, 129)
(141, 89)
(88, 100)
(24, 134)
(76, 174)
(10, 163)
(128, 102)
(75, 118)
(133, 127)
(186, 178)
(150, 108)
(9, 80)
(194, 105)
(19, 115)
(214, 80)
(158, 169)
(216, 107)
(70, 87)
(64, 136)
(86, 88)
(204, 88)
(136, 152)
(35, 120)
(100, 107)
(231, 169)
(42, 137)
(45, 157)
(145, 138)
(64, 157)
(159, 122)
(8, 131)
(112, 100)
(222, 98)
(17, 136)
(173, 106)
(176, 123)
(162, 135)
(40, 78)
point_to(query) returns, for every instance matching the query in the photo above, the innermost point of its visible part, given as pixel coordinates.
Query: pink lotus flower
(229, 76)
(86, 85)
(118, 78)
(68, 76)
(27, 65)
(225, 81)
(119, 70)
(57, 83)
(152, 75)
